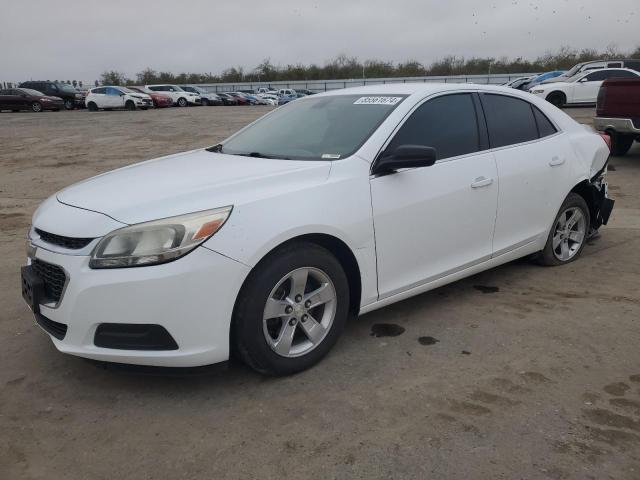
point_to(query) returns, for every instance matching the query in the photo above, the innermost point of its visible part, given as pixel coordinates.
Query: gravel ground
(519, 372)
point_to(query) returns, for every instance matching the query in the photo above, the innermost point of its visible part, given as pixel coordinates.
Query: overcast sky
(79, 40)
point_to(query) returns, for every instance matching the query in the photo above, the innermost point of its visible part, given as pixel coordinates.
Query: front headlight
(159, 241)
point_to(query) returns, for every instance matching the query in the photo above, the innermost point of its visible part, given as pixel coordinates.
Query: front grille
(55, 329)
(72, 243)
(53, 277)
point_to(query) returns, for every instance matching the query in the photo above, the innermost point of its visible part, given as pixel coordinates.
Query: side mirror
(583, 80)
(405, 156)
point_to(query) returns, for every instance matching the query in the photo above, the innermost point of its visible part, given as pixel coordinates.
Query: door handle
(481, 182)
(555, 161)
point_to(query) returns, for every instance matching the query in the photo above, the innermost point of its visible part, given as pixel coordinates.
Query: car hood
(190, 182)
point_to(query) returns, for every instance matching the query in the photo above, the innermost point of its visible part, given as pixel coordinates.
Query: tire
(255, 334)
(129, 105)
(565, 243)
(92, 107)
(182, 102)
(205, 102)
(36, 107)
(68, 104)
(557, 99)
(620, 144)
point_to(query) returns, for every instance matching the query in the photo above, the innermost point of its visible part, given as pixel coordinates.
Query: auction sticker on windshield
(377, 100)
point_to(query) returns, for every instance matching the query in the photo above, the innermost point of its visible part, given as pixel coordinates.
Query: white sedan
(580, 89)
(329, 207)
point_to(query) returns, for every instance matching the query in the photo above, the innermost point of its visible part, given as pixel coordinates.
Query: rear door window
(510, 120)
(447, 123)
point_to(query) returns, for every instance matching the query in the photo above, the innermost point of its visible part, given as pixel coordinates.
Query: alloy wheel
(299, 312)
(569, 233)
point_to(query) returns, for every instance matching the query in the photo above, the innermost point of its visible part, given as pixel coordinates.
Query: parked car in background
(227, 99)
(159, 100)
(70, 96)
(538, 79)
(207, 98)
(284, 98)
(519, 82)
(290, 92)
(618, 112)
(633, 64)
(304, 91)
(582, 88)
(269, 98)
(177, 94)
(115, 97)
(264, 246)
(16, 99)
(240, 99)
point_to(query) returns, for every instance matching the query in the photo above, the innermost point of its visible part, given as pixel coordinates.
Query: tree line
(345, 67)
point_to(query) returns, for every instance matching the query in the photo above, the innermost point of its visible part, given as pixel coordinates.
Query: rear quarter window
(545, 127)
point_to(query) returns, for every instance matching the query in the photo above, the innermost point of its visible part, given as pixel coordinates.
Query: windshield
(314, 128)
(66, 88)
(573, 71)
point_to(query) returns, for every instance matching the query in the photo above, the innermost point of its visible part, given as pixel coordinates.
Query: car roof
(417, 89)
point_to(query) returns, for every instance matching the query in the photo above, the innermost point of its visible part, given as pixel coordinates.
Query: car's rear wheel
(569, 232)
(291, 310)
(557, 99)
(68, 104)
(620, 144)
(36, 107)
(130, 105)
(182, 102)
(92, 107)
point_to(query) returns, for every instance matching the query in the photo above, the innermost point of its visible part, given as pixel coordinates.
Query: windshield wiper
(216, 148)
(261, 155)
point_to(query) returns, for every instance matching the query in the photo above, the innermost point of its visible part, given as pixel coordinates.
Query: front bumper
(619, 125)
(192, 298)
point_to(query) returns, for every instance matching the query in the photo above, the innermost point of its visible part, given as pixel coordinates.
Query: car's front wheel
(182, 102)
(291, 310)
(569, 232)
(36, 107)
(68, 104)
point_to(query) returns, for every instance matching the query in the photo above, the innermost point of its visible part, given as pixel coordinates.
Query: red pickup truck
(618, 112)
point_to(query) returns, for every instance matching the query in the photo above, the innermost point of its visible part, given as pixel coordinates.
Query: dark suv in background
(71, 97)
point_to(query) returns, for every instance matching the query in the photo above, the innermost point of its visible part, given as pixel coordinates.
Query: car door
(433, 221)
(531, 154)
(586, 89)
(4, 99)
(20, 99)
(114, 98)
(98, 97)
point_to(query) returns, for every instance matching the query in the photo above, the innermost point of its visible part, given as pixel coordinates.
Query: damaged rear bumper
(601, 205)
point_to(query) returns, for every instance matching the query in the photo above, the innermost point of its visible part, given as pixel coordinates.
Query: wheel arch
(590, 194)
(556, 92)
(335, 246)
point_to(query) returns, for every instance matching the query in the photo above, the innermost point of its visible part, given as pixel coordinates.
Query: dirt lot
(520, 372)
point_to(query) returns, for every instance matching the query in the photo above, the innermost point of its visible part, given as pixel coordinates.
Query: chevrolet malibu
(335, 205)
